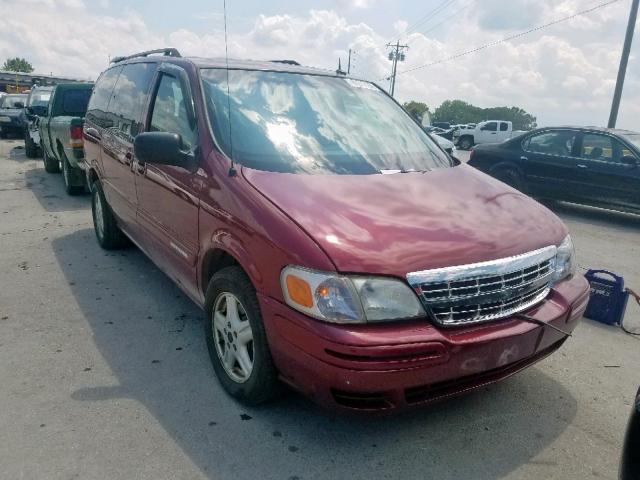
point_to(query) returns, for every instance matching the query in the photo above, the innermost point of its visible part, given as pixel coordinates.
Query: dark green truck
(61, 134)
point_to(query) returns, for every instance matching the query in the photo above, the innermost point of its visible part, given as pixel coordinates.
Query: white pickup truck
(491, 131)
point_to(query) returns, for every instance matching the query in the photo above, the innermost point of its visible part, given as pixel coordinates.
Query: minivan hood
(406, 222)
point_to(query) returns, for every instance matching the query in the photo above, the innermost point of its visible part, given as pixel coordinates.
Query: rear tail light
(75, 139)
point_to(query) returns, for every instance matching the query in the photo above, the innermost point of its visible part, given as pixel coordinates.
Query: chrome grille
(485, 291)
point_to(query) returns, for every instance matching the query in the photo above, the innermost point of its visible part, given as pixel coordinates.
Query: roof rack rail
(167, 52)
(286, 62)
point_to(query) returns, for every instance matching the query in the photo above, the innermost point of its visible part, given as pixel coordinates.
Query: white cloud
(564, 74)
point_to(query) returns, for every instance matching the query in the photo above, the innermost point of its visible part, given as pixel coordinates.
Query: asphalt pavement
(104, 373)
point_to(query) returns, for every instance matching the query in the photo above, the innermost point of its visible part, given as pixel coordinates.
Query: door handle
(524, 159)
(580, 165)
(92, 132)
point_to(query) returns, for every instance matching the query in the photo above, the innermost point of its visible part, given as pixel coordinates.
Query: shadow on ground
(49, 189)
(150, 335)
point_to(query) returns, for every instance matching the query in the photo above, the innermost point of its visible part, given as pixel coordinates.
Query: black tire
(67, 172)
(51, 165)
(510, 176)
(262, 384)
(466, 143)
(109, 235)
(30, 148)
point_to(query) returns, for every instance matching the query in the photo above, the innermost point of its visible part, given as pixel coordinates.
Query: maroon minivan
(333, 245)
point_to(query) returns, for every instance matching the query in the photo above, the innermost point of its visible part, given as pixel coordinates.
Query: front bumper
(407, 364)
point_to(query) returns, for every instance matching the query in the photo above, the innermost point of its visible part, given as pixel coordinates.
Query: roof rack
(167, 52)
(286, 62)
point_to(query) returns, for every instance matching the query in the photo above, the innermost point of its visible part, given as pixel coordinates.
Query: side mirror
(30, 111)
(163, 148)
(629, 161)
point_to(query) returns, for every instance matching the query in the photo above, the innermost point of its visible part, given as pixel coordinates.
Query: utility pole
(624, 60)
(349, 63)
(396, 55)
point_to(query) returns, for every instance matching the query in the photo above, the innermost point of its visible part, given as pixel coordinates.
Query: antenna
(232, 170)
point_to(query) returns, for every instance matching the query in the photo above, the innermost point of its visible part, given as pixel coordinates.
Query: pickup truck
(491, 131)
(61, 134)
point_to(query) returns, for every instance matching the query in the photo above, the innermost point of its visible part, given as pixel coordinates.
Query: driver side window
(170, 112)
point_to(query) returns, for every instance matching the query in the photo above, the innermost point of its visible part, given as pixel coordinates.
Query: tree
(416, 109)
(17, 64)
(457, 111)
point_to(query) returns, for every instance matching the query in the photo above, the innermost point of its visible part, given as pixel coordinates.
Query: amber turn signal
(299, 291)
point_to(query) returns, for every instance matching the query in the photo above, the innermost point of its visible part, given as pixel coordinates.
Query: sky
(564, 74)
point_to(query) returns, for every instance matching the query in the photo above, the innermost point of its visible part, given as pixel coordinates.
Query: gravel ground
(105, 374)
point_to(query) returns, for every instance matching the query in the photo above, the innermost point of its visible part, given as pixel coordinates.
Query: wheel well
(506, 166)
(214, 261)
(93, 176)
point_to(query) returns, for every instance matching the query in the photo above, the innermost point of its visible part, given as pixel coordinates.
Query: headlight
(563, 263)
(348, 299)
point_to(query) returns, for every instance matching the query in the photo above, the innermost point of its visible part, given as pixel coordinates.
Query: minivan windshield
(299, 123)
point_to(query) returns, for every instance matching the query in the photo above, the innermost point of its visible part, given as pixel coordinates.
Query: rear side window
(170, 112)
(74, 102)
(97, 110)
(504, 127)
(129, 97)
(559, 142)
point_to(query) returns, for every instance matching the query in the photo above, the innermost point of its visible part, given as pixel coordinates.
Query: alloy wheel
(233, 337)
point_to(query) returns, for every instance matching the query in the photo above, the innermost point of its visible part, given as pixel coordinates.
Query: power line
(446, 19)
(430, 14)
(509, 38)
(434, 13)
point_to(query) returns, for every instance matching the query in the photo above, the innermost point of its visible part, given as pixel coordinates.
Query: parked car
(442, 125)
(331, 243)
(36, 107)
(492, 131)
(446, 145)
(11, 114)
(630, 463)
(61, 134)
(587, 165)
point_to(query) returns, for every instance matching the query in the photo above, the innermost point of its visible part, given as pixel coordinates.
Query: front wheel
(236, 338)
(466, 143)
(30, 148)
